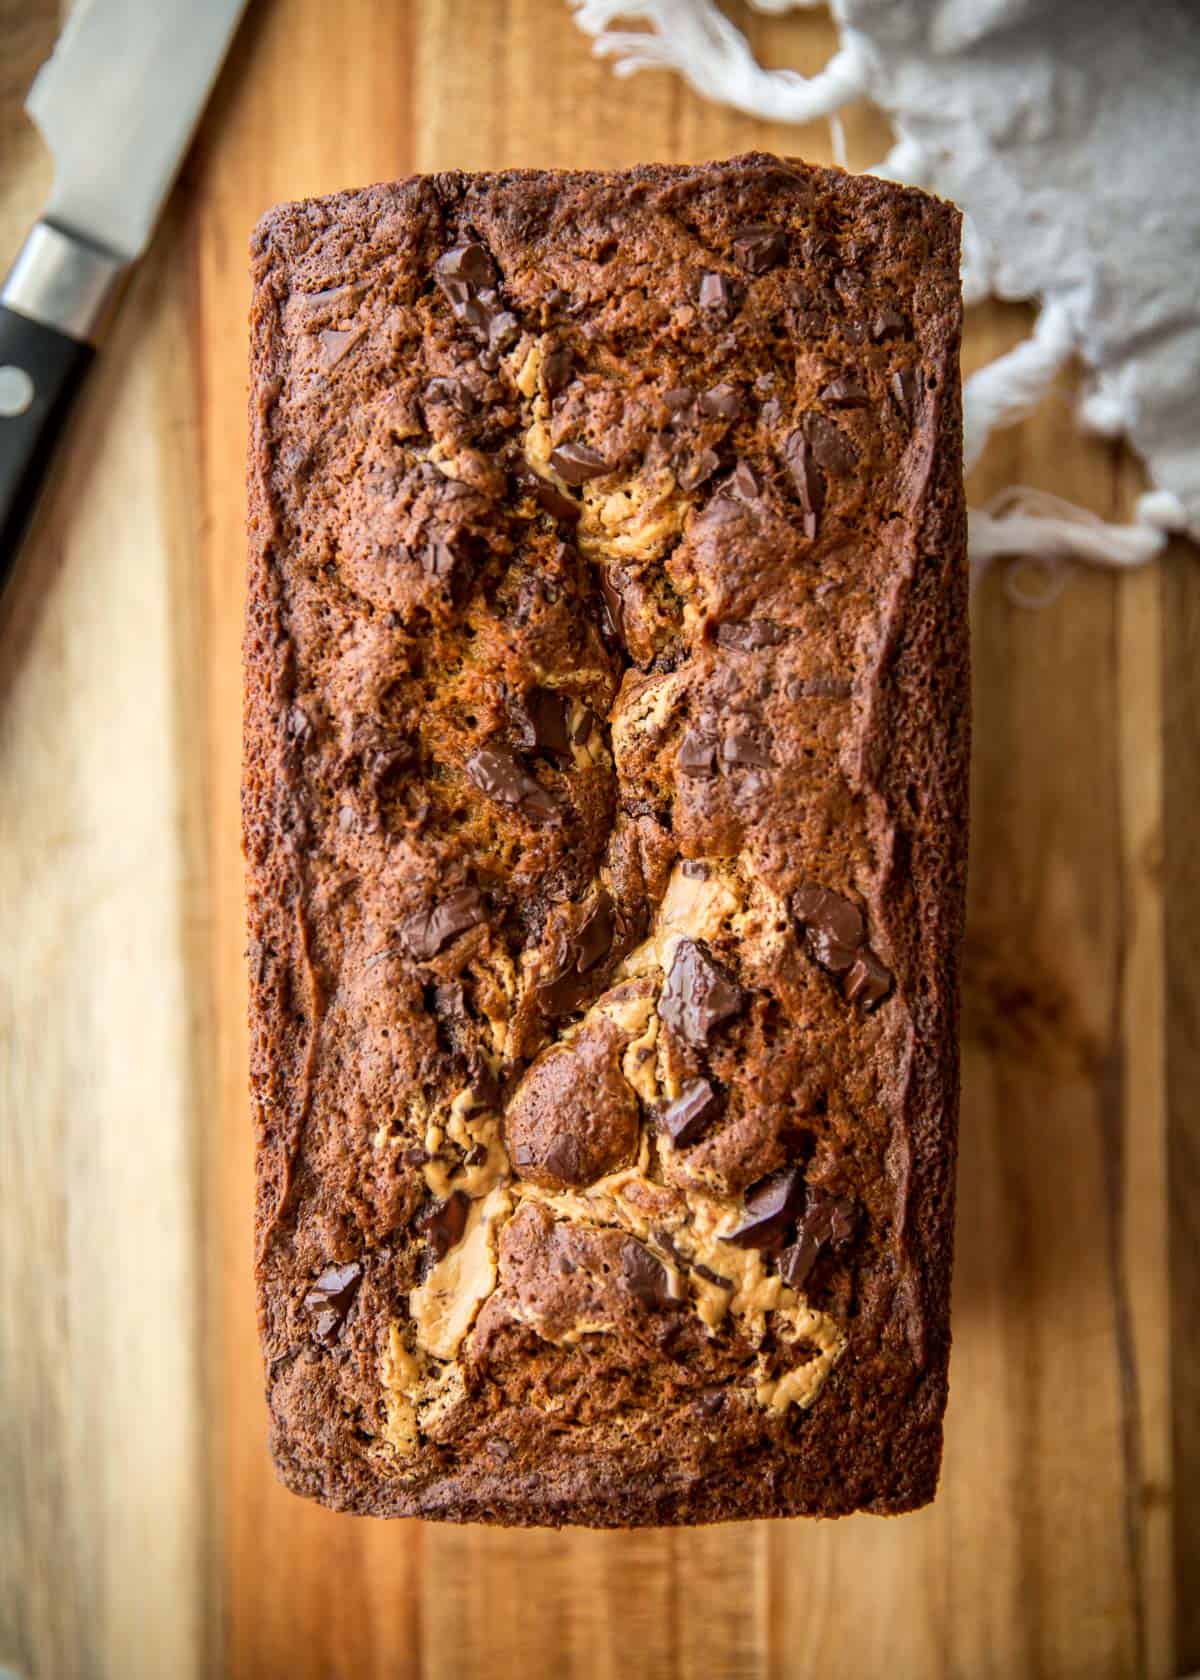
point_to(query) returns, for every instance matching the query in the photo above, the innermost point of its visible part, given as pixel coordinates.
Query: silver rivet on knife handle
(63, 281)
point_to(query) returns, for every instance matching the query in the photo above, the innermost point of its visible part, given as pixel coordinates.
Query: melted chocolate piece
(692, 1112)
(721, 402)
(744, 482)
(889, 323)
(498, 774)
(828, 1222)
(575, 463)
(806, 479)
(697, 757)
(831, 448)
(470, 263)
(699, 994)
(749, 746)
(590, 944)
(426, 932)
(694, 472)
(546, 711)
(445, 1223)
(844, 393)
(680, 401)
(614, 603)
(330, 1299)
(715, 292)
(646, 1277)
(759, 248)
(904, 390)
(769, 1207)
(868, 982)
(558, 370)
(834, 928)
(709, 1276)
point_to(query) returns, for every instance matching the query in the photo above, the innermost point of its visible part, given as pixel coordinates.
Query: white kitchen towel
(1069, 133)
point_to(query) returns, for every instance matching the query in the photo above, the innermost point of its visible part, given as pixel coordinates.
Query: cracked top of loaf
(605, 800)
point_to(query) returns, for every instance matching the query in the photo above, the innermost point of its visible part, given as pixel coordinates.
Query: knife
(116, 103)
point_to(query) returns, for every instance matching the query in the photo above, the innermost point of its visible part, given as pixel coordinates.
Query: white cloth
(1069, 133)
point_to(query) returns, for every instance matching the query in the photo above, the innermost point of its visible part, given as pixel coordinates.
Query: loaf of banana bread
(605, 819)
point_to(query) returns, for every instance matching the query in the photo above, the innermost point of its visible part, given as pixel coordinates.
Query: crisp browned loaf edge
(606, 746)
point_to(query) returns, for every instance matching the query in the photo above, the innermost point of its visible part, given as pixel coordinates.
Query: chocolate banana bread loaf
(605, 818)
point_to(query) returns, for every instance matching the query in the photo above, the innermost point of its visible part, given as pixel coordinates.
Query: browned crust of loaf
(861, 1447)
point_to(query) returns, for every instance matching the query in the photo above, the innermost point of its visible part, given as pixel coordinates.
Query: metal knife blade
(117, 103)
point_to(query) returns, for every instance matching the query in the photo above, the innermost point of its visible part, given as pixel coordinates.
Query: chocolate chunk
(697, 757)
(549, 496)
(744, 482)
(868, 982)
(768, 1209)
(595, 937)
(771, 413)
(426, 932)
(498, 774)
(754, 633)
(709, 1276)
(575, 463)
(721, 402)
(747, 746)
(831, 448)
(711, 1399)
(330, 1299)
(834, 928)
(759, 248)
(844, 393)
(645, 1276)
(827, 1222)
(889, 323)
(692, 1112)
(699, 994)
(451, 393)
(693, 473)
(806, 479)
(445, 1223)
(547, 712)
(824, 688)
(590, 943)
(470, 263)
(442, 556)
(680, 400)
(563, 1159)
(904, 393)
(695, 869)
(614, 604)
(558, 370)
(716, 293)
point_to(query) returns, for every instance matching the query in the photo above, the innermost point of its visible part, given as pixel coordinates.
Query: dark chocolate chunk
(563, 1159)
(577, 462)
(758, 248)
(470, 263)
(694, 472)
(834, 928)
(827, 1222)
(771, 413)
(904, 393)
(697, 756)
(715, 292)
(750, 635)
(614, 604)
(590, 944)
(721, 402)
(680, 399)
(710, 1399)
(868, 982)
(547, 712)
(699, 994)
(595, 937)
(769, 1207)
(445, 1223)
(498, 774)
(451, 393)
(889, 323)
(549, 496)
(330, 1299)
(825, 688)
(442, 556)
(645, 1276)
(831, 448)
(558, 370)
(806, 479)
(844, 393)
(695, 869)
(692, 1112)
(426, 932)
(744, 482)
(747, 745)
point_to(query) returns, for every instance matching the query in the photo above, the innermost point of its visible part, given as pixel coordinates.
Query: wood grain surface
(142, 1533)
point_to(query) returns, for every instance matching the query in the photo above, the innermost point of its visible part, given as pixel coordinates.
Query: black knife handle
(41, 370)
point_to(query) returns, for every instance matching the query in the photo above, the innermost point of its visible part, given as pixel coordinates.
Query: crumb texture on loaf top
(604, 800)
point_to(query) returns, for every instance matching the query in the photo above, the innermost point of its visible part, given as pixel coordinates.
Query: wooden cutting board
(141, 1530)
